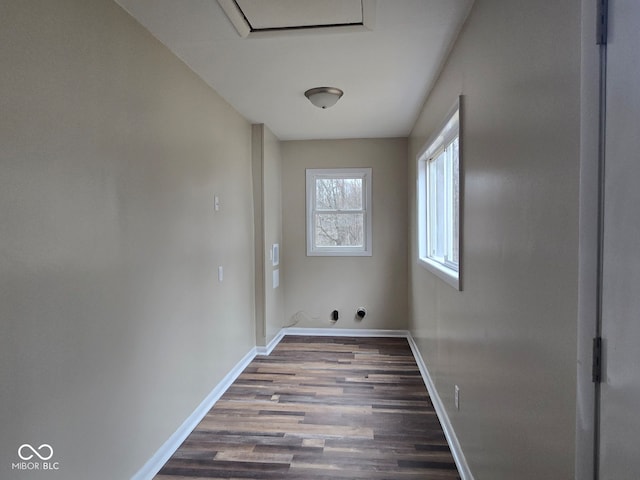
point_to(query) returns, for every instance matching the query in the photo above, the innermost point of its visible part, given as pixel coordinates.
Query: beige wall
(267, 198)
(509, 338)
(315, 286)
(113, 324)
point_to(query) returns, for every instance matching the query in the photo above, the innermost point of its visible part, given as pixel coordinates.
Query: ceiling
(385, 58)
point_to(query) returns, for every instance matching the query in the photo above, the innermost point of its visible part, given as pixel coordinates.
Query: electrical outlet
(456, 397)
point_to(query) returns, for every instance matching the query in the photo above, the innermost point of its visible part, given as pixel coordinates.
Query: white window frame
(337, 251)
(445, 136)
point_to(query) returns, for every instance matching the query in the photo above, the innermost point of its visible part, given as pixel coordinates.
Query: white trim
(449, 130)
(441, 271)
(236, 17)
(449, 433)
(155, 463)
(272, 344)
(162, 455)
(369, 14)
(345, 332)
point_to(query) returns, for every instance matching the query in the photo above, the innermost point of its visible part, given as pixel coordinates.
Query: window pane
(437, 200)
(339, 194)
(339, 229)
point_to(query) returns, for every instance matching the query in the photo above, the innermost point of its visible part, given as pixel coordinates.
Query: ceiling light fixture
(324, 97)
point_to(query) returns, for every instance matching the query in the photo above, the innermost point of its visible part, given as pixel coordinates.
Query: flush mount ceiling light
(324, 97)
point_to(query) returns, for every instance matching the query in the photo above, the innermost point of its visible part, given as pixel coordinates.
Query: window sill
(338, 253)
(445, 274)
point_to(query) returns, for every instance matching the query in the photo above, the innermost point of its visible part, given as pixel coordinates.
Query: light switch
(216, 203)
(220, 274)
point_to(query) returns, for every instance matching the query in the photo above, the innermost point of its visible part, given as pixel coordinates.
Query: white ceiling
(385, 72)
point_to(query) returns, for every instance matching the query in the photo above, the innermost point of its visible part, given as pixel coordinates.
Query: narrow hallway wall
(114, 326)
(508, 340)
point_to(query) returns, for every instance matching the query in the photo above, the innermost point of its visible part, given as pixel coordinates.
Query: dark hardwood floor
(321, 408)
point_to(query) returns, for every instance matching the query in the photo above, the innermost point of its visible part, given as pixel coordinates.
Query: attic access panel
(253, 18)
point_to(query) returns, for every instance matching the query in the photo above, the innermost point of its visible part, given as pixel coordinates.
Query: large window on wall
(339, 212)
(438, 184)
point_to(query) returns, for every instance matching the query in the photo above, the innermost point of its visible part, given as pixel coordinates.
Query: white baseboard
(155, 463)
(271, 345)
(345, 332)
(449, 433)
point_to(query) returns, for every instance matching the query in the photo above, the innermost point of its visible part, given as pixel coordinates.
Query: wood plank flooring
(321, 408)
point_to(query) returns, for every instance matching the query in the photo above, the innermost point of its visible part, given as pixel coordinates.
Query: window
(439, 202)
(339, 212)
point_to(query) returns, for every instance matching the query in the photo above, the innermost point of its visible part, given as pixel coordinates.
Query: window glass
(339, 229)
(339, 193)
